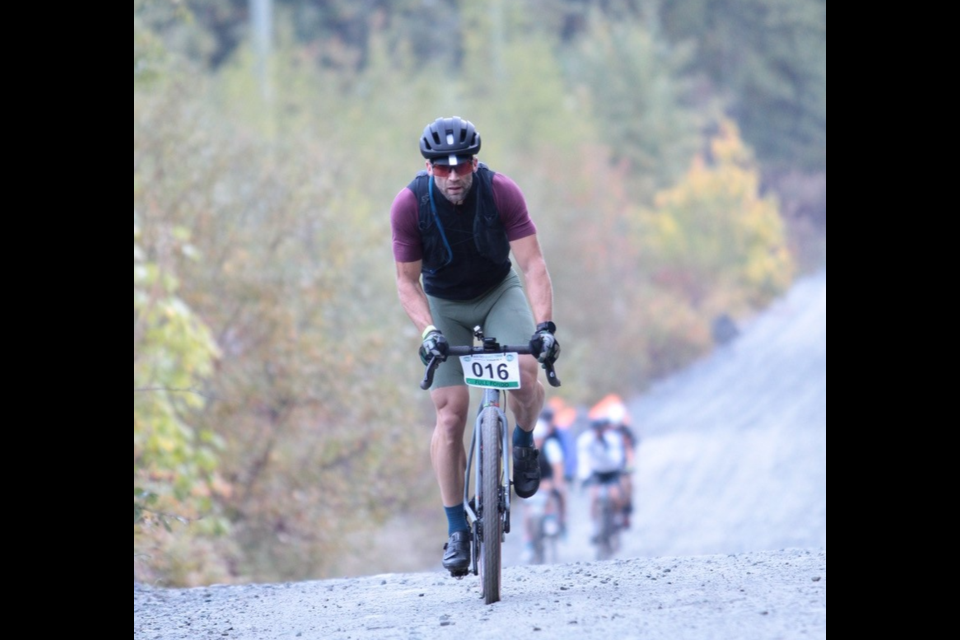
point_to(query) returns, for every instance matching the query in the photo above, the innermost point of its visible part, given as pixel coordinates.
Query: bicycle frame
(609, 541)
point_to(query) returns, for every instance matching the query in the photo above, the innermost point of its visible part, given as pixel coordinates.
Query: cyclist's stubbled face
(453, 184)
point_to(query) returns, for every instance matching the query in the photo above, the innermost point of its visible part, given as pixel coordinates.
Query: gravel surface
(728, 542)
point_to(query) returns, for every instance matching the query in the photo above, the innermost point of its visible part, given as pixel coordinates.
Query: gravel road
(728, 543)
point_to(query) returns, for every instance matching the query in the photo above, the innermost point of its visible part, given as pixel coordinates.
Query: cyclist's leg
(556, 510)
(446, 448)
(449, 464)
(554, 507)
(510, 320)
(529, 533)
(594, 508)
(527, 401)
(616, 491)
(561, 510)
(616, 496)
(451, 399)
(627, 483)
(528, 523)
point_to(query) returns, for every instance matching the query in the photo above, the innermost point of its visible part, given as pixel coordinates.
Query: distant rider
(551, 499)
(601, 459)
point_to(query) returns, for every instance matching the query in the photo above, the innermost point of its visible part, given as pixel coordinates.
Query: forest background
(673, 156)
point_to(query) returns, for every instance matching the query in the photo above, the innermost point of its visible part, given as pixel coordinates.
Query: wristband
(547, 326)
(423, 336)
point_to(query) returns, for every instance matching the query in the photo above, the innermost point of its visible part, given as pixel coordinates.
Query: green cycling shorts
(503, 313)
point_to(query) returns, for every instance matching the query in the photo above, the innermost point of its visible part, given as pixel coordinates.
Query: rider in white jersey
(600, 461)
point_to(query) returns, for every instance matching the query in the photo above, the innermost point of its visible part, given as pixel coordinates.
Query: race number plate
(497, 370)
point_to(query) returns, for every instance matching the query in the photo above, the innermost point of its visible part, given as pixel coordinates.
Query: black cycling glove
(544, 344)
(434, 344)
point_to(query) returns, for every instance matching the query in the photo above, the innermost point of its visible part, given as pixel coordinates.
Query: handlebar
(489, 345)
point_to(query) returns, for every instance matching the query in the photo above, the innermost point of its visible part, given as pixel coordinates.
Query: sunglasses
(442, 170)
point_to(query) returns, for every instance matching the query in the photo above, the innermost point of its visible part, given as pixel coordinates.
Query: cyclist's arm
(408, 256)
(412, 297)
(530, 259)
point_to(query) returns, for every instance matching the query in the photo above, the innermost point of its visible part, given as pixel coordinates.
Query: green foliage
(302, 310)
(713, 236)
(765, 58)
(164, 32)
(769, 58)
(640, 91)
(173, 354)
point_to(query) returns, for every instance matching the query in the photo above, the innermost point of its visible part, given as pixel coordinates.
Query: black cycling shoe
(526, 471)
(456, 554)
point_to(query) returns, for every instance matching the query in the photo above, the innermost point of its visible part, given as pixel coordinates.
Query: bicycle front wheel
(491, 465)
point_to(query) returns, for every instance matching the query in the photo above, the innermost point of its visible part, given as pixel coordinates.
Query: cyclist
(552, 495)
(601, 457)
(454, 228)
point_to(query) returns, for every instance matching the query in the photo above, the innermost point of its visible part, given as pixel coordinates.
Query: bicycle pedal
(460, 575)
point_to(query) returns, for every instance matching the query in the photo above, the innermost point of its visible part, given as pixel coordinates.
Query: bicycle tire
(605, 545)
(544, 540)
(549, 538)
(539, 544)
(491, 465)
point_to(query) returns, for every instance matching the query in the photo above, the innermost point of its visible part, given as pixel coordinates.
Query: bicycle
(495, 369)
(608, 537)
(545, 528)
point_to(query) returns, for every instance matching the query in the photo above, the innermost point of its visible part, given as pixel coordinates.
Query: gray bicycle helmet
(449, 140)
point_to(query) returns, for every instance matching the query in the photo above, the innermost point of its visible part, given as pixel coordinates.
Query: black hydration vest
(472, 268)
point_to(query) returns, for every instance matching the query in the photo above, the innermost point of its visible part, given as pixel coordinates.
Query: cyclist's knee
(529, 368)
(450, 426)
(530, 394)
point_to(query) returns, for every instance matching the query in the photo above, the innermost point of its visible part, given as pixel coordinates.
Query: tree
(174, 459)
(715, 238)
(768, 58)
(640, 90)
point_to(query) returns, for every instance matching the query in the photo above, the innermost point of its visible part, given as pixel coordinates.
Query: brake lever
(427, 381)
